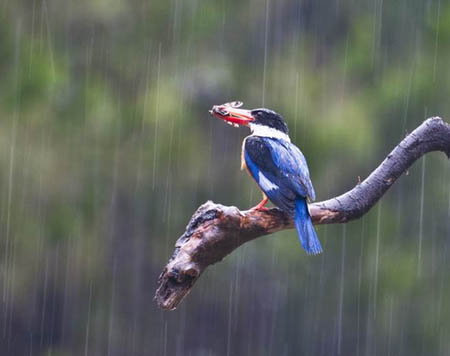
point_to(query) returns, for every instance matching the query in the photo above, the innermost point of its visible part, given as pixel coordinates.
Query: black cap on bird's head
(231, 113)
(269, 118)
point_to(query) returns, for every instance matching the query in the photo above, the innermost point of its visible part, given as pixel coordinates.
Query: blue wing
(280, 170)
(292, 164)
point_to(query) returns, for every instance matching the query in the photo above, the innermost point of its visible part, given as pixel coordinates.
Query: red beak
(232, 115)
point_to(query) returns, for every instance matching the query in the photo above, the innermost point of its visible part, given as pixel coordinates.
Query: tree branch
(214, 230)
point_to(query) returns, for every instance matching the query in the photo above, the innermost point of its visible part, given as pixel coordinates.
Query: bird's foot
(261, 206)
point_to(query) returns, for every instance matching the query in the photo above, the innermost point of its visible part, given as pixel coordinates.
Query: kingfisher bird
(276, 164)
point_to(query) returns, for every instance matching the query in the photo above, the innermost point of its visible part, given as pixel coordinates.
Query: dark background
(106, 149)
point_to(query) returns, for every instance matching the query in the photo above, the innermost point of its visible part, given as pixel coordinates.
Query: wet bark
(214, 230)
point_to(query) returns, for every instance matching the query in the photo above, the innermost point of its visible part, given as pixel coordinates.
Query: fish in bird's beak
(230, 113)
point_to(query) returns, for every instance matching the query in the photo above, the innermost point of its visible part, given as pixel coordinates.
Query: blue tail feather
(305, 228)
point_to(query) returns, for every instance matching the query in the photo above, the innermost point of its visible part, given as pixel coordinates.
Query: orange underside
(265, 199)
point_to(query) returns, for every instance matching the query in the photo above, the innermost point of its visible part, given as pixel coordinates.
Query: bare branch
(214, 230)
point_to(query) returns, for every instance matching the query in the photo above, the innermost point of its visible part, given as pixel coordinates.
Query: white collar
(265, 131)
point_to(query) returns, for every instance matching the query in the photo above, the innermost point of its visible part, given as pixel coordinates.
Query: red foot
(260, 206)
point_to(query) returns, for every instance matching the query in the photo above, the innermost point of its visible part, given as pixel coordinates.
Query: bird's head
(255, 119)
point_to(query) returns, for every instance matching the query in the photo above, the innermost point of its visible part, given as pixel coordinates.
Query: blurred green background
(106, 149)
